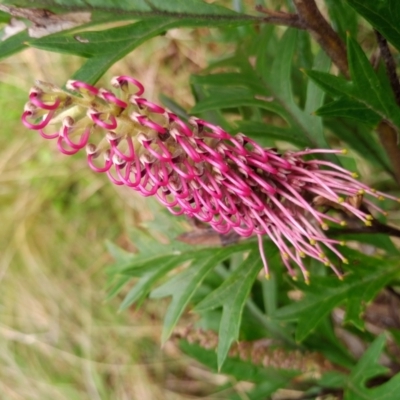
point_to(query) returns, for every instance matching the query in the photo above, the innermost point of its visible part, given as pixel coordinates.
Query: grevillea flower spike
(199, 170)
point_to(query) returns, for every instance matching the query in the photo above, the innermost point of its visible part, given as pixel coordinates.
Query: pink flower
(199, 170)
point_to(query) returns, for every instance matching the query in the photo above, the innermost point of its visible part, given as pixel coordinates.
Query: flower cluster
(199, 170)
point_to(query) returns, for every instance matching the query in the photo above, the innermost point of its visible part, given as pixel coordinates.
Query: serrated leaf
(349, 108)
(362, 295)
(383, 15)
(231, 97)
(232, 296)
(359, 287)
(279, 74)
(146, 243)
(13, 44)
(143, 8)
(166, 224)
(278, 80)
(366, 88)
(183, 286)
(141, 288)
(334, 85)
(155, 260)
(141, 263)
(229, 79)
(325, 341)
(121, 40)
(119, 254)
(188, 7)
(225, 92)
(115, 286)
(314, 98)
(262, 133)
(105, 47)
(367, 368)
(362, 140)
(305, 54)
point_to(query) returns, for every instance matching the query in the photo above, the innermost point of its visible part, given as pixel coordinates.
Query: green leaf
(305, 54)
(141, 288)
(263, 133)
(362, 140)
(383, 15)
(119, 254)
(105, 47)
(315, 98)
(155, 261)
(236, 90)
(123, 39)
(331, 84)
(278, 80)
(115, 286)
(342, 17)
(13, 44)
(239, 369)
(324, 340)
(367, 277)
(94, 69)
(228, 79)
(139, 8)
(141, 263)
(184, 7)
(379, 240)
(349, 108)
(183, 286)
(231, 97)
(368, 367)
(172, 105)
(366, 88)
(232, 296)
(119, 40)
(4, 17)
(332, 379)
(146, 242)
(278, 76)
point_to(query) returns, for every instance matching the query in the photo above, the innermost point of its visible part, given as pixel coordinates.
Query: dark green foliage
(383, 15)
(365, 98)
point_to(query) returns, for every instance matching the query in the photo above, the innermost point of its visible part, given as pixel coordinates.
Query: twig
(281, 18)
(323, 33)
(390, 65)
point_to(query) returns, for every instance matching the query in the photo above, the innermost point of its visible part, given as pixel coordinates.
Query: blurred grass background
(58, 338)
